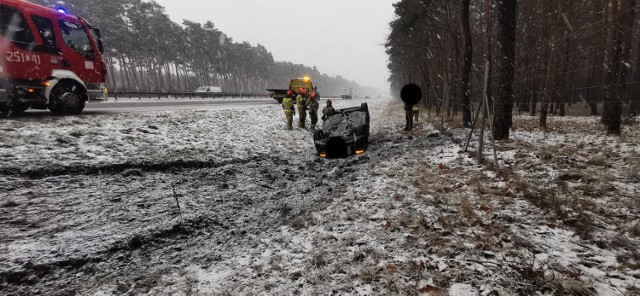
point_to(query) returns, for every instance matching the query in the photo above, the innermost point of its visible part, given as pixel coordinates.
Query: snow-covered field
(226, 202)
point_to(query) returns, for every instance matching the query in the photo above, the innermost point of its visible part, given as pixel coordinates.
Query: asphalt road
(113, 107)
(144, 106)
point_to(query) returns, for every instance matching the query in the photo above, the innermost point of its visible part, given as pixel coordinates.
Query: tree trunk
(112, 74)
(503, 116)
(565, 77)
(621, 18)
(488, 55)
(557, 85)
(126, 81)
(466, 68)
(634, 93)
(535, 90)
(591, 97)
(544, 106)
(534, 104)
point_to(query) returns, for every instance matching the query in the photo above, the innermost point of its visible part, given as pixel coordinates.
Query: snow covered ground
(226, 202)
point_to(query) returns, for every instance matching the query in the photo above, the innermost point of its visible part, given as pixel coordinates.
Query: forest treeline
(541, 55)
(145, 50)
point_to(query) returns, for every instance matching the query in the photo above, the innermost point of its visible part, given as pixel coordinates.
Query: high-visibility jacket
(328, 111)
(300, 100)
(287, 105)
(313, 105)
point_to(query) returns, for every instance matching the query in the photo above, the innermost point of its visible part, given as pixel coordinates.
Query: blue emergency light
(61, 10)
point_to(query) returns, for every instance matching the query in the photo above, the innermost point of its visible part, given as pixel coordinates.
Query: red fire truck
(49, 59)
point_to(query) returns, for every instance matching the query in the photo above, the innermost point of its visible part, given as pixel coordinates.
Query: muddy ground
(78, 231)
(71, 229)
(414, 216)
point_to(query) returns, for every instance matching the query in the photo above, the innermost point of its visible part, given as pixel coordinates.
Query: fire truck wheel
(67, 99)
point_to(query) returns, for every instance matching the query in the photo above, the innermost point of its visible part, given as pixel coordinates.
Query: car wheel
(67, 99)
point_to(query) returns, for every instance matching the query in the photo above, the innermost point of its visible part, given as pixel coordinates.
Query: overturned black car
(344, 134)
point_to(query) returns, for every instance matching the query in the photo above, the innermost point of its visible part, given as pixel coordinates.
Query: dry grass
(634, 230)
(478, 217)
(319, 259)
(634, 174)
(554, 124)
(598, 160)
(9, 204)
(569, 286)
(368, 274)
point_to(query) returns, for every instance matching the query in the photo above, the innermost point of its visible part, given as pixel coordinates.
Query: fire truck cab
(49, 60)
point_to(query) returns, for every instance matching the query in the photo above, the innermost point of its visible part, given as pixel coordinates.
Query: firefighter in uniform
(301, 102)
(328, 110)
(287, 107)
(313, 110)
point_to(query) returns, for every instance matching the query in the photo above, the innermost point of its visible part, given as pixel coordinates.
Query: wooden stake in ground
(484, 105)
(473, 126)
(175, 195)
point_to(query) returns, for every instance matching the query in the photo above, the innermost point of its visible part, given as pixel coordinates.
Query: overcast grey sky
(340, 37)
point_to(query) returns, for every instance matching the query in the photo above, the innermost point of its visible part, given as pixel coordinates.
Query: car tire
(67, 99)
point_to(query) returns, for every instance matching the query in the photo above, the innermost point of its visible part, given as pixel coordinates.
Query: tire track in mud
(244, 198)
(116, 168)
(31, 273)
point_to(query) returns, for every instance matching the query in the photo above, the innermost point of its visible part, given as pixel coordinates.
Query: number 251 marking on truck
(18, 57)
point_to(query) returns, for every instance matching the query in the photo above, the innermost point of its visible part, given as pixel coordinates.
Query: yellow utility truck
(295, 85)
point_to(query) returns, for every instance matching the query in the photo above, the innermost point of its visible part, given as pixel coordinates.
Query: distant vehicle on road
(347, 93)
(51, 60)
(208, 89)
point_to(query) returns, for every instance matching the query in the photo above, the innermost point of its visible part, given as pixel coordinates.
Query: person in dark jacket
(313, 106)
(408, 109)
(301, 102)
(411, 95)
(328, 110)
